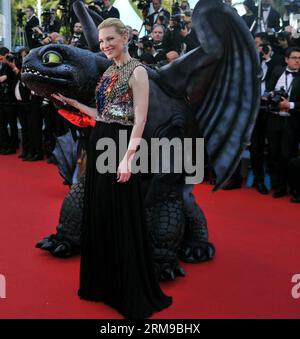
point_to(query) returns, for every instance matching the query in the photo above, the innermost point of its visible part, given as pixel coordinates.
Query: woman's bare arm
(139, 83)
(92, 112)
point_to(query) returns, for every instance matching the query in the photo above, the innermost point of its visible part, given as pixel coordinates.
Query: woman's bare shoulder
(139, 75)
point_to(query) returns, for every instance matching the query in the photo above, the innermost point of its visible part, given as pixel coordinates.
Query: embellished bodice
(114, 97)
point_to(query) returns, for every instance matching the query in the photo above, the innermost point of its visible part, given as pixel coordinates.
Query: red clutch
(77, 118)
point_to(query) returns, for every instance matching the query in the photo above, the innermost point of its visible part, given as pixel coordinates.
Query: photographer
(283, 127)
(20, 100)
(151, 50)
(185, 6)
(158, 51)
(251, 12)
(269, 60)
(160, 15)
(78, 39)
(173, 39)
(8, 72)
(190, 39)
(106, 10)
(283, 42)
(133, 42)
(41, 34)
(50, 24)
(270, 17)
(32, 21)
(145, 51)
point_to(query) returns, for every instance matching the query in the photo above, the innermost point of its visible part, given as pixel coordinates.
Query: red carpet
(257, 240)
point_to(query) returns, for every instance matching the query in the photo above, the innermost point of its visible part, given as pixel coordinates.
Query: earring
(125, 48)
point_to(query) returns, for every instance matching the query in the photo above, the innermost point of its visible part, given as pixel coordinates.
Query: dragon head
(63, 69)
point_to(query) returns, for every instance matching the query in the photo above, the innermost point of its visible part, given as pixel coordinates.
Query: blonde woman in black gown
(117, 266)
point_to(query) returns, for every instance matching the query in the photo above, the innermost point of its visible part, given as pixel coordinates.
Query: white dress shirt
(285, 81)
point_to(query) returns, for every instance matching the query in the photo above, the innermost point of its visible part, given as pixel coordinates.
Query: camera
(46, 17)
(147, 42)
(275, 97)
(144, 6)
(20, 15)
(178, 22)
(92, 5)
(265, 49)
(11, 58)
(163, 19)
(36, 33)
(176, 10)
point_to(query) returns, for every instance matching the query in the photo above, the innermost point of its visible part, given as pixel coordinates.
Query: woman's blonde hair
(114, 22)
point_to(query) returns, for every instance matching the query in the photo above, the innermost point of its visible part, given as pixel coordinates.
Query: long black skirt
(117, 265)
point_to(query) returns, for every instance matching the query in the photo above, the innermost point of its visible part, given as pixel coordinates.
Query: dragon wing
(221, 78)
(89, 21)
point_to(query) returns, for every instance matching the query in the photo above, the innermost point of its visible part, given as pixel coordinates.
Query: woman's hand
(124, 169)
(90, 111)
(65, 100)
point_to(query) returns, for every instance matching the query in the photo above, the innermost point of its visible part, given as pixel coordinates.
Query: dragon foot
(195, 252)
(58, 248)
(168, 271)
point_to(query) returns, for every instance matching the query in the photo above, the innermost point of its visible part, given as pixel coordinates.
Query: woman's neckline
(124, 64)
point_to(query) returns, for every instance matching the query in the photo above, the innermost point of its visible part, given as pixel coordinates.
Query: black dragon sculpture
(210, 92)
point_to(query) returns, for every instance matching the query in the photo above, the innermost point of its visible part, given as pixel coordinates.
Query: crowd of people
(275, 141)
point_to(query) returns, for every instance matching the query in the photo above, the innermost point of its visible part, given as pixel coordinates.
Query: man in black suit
(32, 21)
(8, 141)
(284, 119)
(159, 16)
(109, 11)
(270, 17)
(21, 103)
(269, 60)
(78, 39)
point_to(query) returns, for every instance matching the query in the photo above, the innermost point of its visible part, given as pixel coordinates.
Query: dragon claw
(194, 253)
(62, 250)
(168, 272)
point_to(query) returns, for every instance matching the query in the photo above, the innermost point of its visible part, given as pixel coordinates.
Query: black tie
(289, 72)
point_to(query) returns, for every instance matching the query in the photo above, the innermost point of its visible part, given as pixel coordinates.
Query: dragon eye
(52, 58)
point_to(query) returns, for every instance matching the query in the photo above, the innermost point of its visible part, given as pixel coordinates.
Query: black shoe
(9, 151)
(52, 160)
(36, 157)
(295, 199)
(27, 157)
(23, 155)
(232, 185)
(3, 150)
(279, 193)
(212, 181)
(261, 188)
(295, 196)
